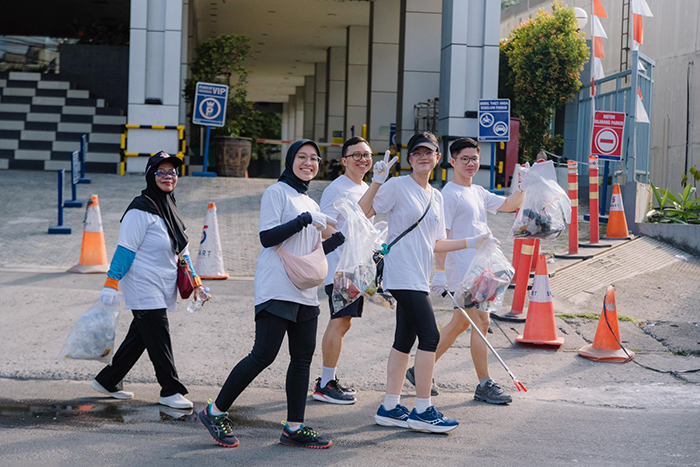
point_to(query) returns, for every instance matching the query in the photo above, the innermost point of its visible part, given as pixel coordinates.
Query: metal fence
(618, 93)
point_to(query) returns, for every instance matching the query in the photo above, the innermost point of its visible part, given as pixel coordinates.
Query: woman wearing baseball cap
(151, 238)
(407, 268)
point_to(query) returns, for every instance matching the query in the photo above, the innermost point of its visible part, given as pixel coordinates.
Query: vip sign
(608, 128)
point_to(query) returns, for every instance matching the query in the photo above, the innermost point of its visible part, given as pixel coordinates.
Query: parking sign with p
(210, 104)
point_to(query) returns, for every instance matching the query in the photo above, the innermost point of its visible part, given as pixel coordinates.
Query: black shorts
(354, 310)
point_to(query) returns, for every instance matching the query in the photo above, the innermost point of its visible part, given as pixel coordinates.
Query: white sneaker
(116, 394)
(176, 401)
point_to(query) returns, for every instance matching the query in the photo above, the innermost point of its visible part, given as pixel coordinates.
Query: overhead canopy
(288, 36)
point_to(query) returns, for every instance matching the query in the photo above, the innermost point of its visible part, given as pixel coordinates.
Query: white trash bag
(485, 283)
(355, 275)
(92, 337)
(546, 208)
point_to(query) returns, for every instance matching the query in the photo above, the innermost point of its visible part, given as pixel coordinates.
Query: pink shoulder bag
(305, 271)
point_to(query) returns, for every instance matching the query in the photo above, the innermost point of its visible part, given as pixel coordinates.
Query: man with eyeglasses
(466, 205)
(357, 160)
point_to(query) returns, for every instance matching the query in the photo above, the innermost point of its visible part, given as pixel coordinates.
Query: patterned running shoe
(220, 427)
(431, 420)
(304, 437)
(332, 393)
(492, 393)
(398, 416)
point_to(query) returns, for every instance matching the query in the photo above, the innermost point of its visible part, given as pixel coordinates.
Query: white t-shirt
(463, 207)
(409, 264)
(341, 187)
(280, 204)
(151, 281)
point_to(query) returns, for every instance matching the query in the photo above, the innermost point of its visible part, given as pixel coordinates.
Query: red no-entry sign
(608, 128)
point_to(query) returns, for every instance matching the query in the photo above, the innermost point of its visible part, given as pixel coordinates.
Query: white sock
(293, 428)
(391, 401)
(483, 381)
(214, 411)
(422, 404)
(327, 374)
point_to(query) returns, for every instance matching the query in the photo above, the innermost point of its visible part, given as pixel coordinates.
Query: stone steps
(42, 119)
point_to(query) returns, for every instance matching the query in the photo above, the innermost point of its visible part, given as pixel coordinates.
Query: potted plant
(220, 60)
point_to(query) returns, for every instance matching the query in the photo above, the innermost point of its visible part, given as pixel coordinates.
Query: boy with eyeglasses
(465, 205)
(357, 160)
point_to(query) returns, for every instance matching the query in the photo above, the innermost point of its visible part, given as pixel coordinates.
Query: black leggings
(148, 331)
(269, 334)
(414, 317)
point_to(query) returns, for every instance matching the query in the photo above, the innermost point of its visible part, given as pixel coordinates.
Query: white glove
(381, 168)
(108, 295)
(476, 241)
(320, 220)
(439, 282)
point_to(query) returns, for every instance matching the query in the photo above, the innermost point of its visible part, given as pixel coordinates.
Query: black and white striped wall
(42, 119)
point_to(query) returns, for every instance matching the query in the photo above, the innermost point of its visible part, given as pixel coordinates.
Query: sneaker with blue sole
(431, 420)
(398, 416)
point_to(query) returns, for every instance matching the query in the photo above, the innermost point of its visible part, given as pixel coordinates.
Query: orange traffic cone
(93, 254)
(540, 327)
(617, 224)
(210, 260)
(605, 346)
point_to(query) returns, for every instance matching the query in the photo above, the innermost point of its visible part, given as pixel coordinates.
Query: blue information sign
(210, 104)
(494, 120)
(392, 134)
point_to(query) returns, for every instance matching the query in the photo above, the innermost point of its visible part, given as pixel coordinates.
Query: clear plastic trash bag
(92, 337)
(546, 208)
(355, 275)
(485, 283)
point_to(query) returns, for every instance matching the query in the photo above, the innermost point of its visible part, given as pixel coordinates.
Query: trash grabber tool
(517, 383)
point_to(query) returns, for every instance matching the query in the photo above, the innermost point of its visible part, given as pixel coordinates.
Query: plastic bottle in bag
(195, 305)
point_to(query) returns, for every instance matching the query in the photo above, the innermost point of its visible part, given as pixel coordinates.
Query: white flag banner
(641, 67)
(640, 113)
(598, 72)
(640, 7)
(635, 45)
(598, 30)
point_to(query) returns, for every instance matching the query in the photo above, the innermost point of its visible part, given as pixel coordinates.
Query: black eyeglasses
(358, 156)
(165, 173)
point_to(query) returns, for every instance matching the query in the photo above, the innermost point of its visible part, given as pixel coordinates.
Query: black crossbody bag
(378, 255)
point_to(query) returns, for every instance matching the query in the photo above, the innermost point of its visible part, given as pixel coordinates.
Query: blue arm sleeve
(121, 262)
(333, 242)
(282, 232)
(189, 263)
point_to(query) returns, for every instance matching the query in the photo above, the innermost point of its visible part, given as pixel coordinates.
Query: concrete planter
(685, 237)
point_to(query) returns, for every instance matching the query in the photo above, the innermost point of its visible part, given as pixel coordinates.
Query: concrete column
(299, 118)
(285, 133)
(184, 54)
(155, 81)
(356, 81)
(291, 117)
(309, 97)
(419, 62)
(335, 98)
(383, 69)
(469, 68)
(320, 102)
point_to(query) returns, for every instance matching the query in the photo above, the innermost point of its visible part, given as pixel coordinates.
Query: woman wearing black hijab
(290, 219)
(151, 237)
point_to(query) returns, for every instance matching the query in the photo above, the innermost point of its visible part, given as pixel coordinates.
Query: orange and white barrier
(210, 260)
(605, 346)
(522, 277)
(93, 253)
(540, 326)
